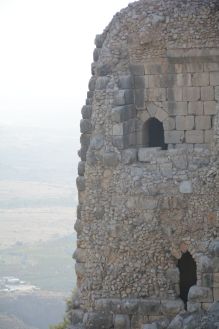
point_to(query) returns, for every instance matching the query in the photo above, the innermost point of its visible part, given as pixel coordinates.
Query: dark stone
(77, 316)
(80, 181)
(86, 111)
(99, 39)
(98, 321)
(110, 159)
(129, 156)
(139, 98)
(125, 82)
(96, 54)
(103, 69)
(97, 142)
(92, 83)
(81, 168)
(102, 83)
(150, 307)
(137, 69)
(140, 82)
(85, 139)
(86, 126)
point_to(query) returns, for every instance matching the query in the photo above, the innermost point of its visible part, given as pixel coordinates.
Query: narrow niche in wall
(153, 134)
(188, 275)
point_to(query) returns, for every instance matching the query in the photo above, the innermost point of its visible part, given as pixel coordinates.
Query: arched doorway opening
(153, 134)
(188, 275)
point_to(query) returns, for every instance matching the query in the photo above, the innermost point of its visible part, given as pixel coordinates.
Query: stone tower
(148, 214)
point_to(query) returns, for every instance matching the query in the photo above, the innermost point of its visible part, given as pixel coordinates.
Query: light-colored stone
(210, 108)
(207, 93)
(214, 78)
(185, 187)
(175, 94)
(195, 108)
(191, 94)
(169, 124)
(174, 137)
(177, 108)
(194, 136)
(185, 122)
(200, 79)
(202, 122)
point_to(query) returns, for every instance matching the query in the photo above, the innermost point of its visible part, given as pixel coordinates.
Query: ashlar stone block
(217, 93)
(184, 122)
(214, 78)
(125, 82)
(174, 137)
(169, 123)
(184, 79)
(121, 321)
(195, 108)
(207, 93)
(174, 94)
(191, 94)
(194, 136)
(210, 108)
(208, 136)
(177, 108)
(200, 79)
(200, 294)
(161, 115)
(202, 122)
(157, 94)
(140, 82)
(118, 129)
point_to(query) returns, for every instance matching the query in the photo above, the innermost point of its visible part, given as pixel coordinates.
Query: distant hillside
(11, 322)
(40, 155)
(31, 311)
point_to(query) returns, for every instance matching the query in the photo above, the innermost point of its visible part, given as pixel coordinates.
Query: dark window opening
(188, 275)
(153, 134)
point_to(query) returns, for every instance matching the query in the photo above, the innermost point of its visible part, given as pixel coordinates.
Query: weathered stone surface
(150, 326)
(173, 275)
(150, 307)
(185, 187)
(214, 248)
(174, 137)
(81, 168)
(97, 142)
(94, 320)
(194, 136)
(101, 83)
(172, 307)
(110, 159)
(125, 82)
(123, 97)
(129, 156)
(200, 294)
(147, 154)
(121, 321)
(86, 111)
(185, 122)
(86, 126)
(193, 307)
(80, 181)
(176, 323)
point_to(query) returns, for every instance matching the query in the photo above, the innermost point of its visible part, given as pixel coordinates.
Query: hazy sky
(46, 50)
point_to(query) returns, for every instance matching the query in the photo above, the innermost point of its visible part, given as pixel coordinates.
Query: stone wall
(141, 207)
